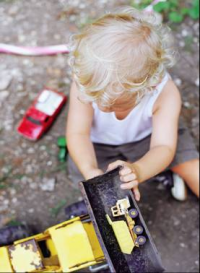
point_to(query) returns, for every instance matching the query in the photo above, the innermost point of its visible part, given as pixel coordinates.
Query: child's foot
(179, 190)
(174, 183)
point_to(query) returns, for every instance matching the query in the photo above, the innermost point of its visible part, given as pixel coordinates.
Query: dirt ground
(27, 169)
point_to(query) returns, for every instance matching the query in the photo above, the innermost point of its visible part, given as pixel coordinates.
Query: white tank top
(107, 129)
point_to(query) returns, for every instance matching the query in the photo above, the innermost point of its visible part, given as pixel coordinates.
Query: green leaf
(14, 223)
(141, 5)
(174, 3)
(195, 3)
(162, 6)
(175, 17)
(185, 11)
(194, 13)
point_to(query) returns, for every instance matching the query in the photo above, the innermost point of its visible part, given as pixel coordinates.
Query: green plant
(56, 210)
(141, 4)
(194, 11)
(173, 10)
(4, 178)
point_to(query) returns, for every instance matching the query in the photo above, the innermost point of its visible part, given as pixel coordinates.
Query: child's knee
(191, 167)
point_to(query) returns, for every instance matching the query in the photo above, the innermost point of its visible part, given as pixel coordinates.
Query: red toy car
(41, 114)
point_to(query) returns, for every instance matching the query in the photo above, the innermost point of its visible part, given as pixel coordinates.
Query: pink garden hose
(49, 50)
(34, 51)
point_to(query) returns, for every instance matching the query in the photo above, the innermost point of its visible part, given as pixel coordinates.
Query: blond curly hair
(123, 53)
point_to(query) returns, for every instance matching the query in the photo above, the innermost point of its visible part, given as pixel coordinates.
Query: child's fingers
(128, 178)
(130, 185)
(115, 164)
(137, 194)
(126, 170)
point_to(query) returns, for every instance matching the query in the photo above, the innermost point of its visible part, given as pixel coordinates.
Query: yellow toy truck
(126, 232)
(67, 247)
(86, 243)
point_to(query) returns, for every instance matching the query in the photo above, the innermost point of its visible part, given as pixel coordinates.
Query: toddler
(124, 106)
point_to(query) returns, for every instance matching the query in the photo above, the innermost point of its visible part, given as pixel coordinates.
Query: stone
(178, 82)
(21, 38)
(48, 184)
(181, 44)
(197, 82)
(177, 222)
(185, 33)
(183, 245)
(13, 191)
(33, 186)
(31, 151)
(57, 37)
(14, 200)
(6, 202)
(31, 210)
(42, 148)
(5, 80)
(29, 169)
(82, 6)
(13, 10)
(24, 180)
(49, 163)
(187, 105)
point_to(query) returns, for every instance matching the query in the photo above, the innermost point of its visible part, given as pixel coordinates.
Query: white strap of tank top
(156, 94)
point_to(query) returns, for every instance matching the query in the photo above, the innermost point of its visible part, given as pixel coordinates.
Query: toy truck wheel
(138, 230)
(75, 210)
(10, 234)
(133, 213)
(141, 240)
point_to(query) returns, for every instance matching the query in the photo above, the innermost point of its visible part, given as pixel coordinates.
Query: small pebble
(31, 151)
(183, 245)
(5, 80)
(31, 210)
(197, 82)
(13, 10)
(48, 184)
(14, 200)
(49, 163)
(187, 105)
(182, 44)
(178, 82)
(13, 191)
(184, 33)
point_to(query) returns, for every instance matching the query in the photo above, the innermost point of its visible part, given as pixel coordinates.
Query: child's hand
(93, 173)
(128, 176)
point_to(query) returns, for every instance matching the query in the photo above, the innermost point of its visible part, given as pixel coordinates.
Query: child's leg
(189, 171)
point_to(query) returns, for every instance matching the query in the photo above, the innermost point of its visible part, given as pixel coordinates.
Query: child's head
(123, 54)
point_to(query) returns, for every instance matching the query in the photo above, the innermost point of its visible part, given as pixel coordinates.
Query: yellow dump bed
(73, 246)
(5, 265)
(122, 235)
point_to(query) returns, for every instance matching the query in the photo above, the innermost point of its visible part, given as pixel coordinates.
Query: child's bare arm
(163, 142)
(166, 114)
(78, 135)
